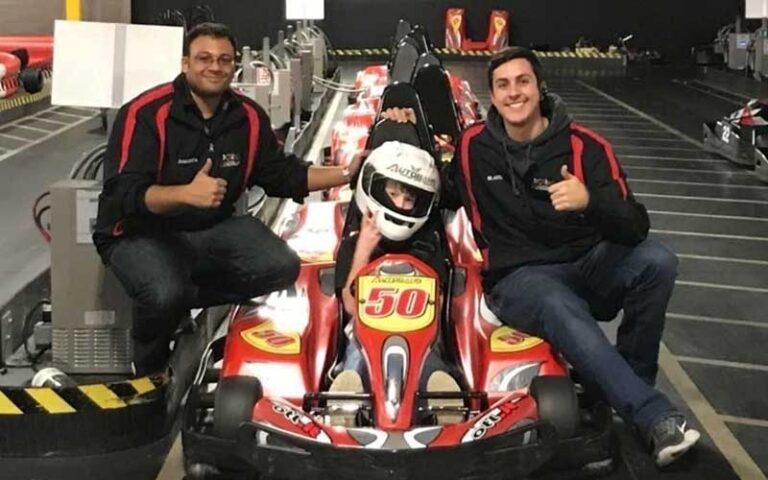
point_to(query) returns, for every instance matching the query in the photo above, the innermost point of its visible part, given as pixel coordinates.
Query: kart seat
(419, 33)
(404, 60)
(387, 130)
(434, 88)
(403, 28)
(404, 95)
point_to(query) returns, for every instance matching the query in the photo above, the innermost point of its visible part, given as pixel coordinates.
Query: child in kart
(397, 195)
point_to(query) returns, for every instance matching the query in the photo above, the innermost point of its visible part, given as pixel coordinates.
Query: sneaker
(441, 381)
(670, 438)
(343, 413)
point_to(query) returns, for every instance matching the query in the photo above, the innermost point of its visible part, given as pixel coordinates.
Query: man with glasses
(178, 158)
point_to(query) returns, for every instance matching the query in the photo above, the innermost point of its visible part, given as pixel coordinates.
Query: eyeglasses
(208, 60)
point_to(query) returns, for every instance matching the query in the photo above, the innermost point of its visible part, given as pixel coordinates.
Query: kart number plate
(265, 337)
(396, 304)
(507, 339)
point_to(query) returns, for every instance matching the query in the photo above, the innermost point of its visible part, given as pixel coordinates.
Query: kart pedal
(343, 413)
(441, 381)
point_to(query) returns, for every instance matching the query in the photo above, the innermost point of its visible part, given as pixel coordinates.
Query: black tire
(233, 404)
(32, 80)
(557, 403)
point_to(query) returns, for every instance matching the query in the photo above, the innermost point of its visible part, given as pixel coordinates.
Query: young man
(565, 245)
(178, 158)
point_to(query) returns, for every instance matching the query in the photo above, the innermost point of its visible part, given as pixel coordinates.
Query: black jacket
(502, 185)
(160, 138)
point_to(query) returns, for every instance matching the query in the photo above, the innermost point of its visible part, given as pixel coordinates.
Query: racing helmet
(392, 171)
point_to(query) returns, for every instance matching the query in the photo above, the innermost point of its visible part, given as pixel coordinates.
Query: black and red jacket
(160, 138)
(502, 185)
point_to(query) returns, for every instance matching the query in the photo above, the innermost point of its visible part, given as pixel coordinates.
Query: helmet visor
(400, 197)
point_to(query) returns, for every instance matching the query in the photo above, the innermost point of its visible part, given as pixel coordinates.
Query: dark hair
(209, 29)
(510, 53)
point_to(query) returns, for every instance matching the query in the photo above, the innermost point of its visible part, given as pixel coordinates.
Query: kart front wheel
(557, 403)
(233, 404)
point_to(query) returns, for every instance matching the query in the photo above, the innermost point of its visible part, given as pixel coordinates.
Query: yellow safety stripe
(50, 400)
(7, 407)
(102, 396)
(73, 10)
(142, 385)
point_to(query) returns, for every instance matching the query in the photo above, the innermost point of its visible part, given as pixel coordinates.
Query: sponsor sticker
(489, 421)
(305, 424)
(266, 338)
(507, 339)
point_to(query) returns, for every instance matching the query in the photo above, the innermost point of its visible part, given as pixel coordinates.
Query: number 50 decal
(396, 304)
(384, 301)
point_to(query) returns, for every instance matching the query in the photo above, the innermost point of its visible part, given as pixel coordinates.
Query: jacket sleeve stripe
(160, 117)
(130, 118)
(577, 145)
(612, 161)
(253, 140)
(467, 174)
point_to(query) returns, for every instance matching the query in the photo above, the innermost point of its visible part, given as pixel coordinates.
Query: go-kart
(261, 403)
(261, 406)
(742, 137)
(23, 62)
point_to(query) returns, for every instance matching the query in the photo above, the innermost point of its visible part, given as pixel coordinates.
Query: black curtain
(671, 26)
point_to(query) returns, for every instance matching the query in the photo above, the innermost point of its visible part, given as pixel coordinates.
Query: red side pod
(283, 341)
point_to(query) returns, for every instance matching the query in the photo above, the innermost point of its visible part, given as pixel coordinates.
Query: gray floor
(714, 215)
(36, 152)
(723, 248)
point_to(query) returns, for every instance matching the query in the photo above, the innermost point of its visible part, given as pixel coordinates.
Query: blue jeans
(563, 302)
(167, 274)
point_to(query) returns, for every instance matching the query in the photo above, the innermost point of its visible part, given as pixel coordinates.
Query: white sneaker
(441, 381)
(343, 413)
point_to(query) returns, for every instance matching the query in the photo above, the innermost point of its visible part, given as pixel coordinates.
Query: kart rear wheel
(233, 404)
(557, 403)
(32, 80)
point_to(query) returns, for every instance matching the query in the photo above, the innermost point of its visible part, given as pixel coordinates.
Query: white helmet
(396, 166)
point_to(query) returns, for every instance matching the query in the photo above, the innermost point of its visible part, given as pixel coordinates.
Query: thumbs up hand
(205, 191)
(569, 194)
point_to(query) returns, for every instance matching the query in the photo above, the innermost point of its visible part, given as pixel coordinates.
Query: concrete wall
(26, 17)
(22, 17)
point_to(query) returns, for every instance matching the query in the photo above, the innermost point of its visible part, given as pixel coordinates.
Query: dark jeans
(562, 303)
(167, 274)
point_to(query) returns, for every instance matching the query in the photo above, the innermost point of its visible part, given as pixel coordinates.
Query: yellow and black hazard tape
(351, 53)
(22, 99)
(455, 53)
(102, 396)
(84, 420)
